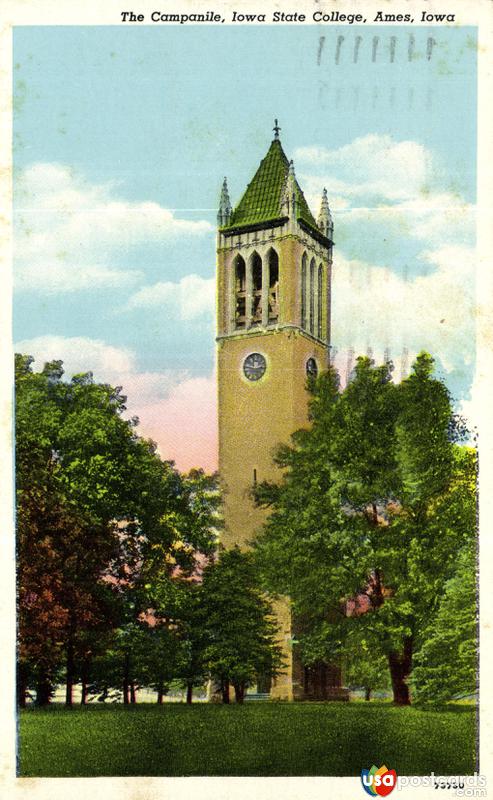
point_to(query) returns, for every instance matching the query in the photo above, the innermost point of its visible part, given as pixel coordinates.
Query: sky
(122, 137)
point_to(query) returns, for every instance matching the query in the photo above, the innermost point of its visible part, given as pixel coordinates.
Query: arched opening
(273, 263)
(303, 291)
(240, 292)
(312, 296)
(256, 267)
(319, 301)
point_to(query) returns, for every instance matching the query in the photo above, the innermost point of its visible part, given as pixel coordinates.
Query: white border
(96, 12)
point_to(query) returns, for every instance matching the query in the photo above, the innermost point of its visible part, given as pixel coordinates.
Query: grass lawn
(254, 739)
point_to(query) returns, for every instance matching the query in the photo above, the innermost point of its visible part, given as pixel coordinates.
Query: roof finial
(324, 220)
(276, 129)
(225, 209)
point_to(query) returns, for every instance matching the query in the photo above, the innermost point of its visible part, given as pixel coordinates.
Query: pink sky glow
(184, 425)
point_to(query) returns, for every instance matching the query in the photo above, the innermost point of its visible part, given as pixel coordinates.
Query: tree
(446, 663)
(239, 626)
(61, 548)
(145, 653)
(160, 651)
(159, 658)
(365, 666)
(368, 511)
(194, 671)
(167, 582)
(100, 516)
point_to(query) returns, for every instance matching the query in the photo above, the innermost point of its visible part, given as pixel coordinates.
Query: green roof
(262, 199)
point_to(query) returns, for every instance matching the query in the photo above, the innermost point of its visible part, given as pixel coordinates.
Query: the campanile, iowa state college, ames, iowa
(274, 264)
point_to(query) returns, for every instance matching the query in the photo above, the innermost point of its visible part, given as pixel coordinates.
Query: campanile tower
(274, 265)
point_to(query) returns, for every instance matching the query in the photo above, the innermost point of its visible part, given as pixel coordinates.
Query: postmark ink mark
(340, 40)
(374, 49)
(429, 47)
(357, 43)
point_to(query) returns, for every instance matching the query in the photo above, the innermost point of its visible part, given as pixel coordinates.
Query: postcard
(246, 282)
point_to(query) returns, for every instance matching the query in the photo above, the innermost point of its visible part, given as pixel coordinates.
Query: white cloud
(59, 277)
(175, 410)
(191, 297)
(110, 364)
(396, 190)
(372, 165)
(69, 233)
(435, 218)
(374, 307)
(404, 257)
(80, 354)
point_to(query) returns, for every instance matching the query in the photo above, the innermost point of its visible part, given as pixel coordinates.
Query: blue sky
(122, 136)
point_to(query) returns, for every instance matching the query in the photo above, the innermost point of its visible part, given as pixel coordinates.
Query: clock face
(311, 368)
(254, 366)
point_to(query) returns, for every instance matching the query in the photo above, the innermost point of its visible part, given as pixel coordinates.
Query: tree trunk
(133, 698)
(189, 693)
(70, 667)
(225, 691)
(84, 677)
(367, 693)
(126, 679)
(21, 696)
(376, 592)
(22, 687)
(323, 681)
(239, 692)
(400, 668)
(306, 679)
(44, 690)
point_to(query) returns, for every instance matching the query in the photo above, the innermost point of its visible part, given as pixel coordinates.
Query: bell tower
(274, 264)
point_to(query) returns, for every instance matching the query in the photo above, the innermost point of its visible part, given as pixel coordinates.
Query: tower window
(240, 292)
(312, 296)
(319, 301)
(303, 291)
(256, 265)
(273, 315)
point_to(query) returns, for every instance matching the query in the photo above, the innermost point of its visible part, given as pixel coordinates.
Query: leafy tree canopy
(101, 518)
(239, 627)
(376, 500)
